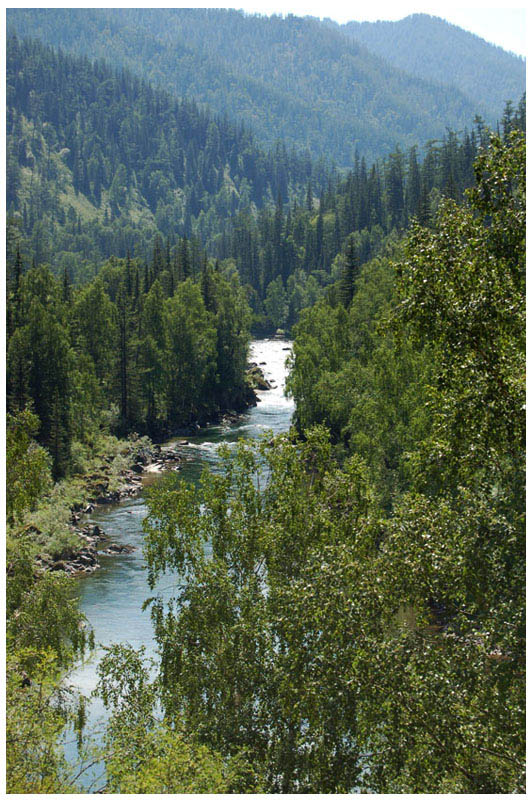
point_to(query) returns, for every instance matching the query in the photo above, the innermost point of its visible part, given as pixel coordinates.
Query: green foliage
(42, 614)
(358, 217)
(38, 363)
(45, 527)
(451, 686)
(156, 354)
(464, 290)
(350, 273)
(45, 632)
(350, 374)
(144, 754)
(163, 168)
(232, 664)
(36, 716)
(350, 610)
(95, 326)
(361, 626)
(275, 303)
(27, 465)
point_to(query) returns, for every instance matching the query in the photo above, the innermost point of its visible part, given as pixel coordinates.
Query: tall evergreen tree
(350, 272)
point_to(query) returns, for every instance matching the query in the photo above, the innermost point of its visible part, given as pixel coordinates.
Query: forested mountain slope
(98, 161)
(290, 256)
(434, 50)
(100, 164)
(293, 78)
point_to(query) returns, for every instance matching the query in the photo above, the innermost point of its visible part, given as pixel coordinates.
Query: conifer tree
(67, 287)
(309, 199)
(413, 188)
(14, 303)
(129, 286)
(184, 258)
(350, 272)
(207, 288)
(137, 287)
(157, 257)
(147, 282)
(319, 235)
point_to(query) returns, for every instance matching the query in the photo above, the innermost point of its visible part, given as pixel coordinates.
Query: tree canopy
(337, 635)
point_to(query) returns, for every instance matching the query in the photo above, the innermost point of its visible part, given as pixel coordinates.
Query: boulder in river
(115, 549)
(256, 379)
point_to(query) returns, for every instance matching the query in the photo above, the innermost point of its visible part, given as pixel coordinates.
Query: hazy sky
(505, 27)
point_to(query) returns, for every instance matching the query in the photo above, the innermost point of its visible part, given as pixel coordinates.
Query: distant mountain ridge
(292, 78)
(435, 50)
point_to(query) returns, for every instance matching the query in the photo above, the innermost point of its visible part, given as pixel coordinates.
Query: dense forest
(361, 622)
(89, 178)
(435, 50)
(337, 609)
(290, 255)
(293, 78)
(99, 161)
(149, 350)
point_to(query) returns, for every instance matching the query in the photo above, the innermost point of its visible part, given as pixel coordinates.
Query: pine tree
(17, 272)
(413, 187)
(147, 282)
(350, 272)
(423, 209)
(508, 122)
(123, 314)
(157, 257)
(319, 236)
(207, 288)
(17, 276)
(137, 287)
(521, 114)
(128, 274)
(309, 199)
(184, 258)
(67, 287)
(394, 188)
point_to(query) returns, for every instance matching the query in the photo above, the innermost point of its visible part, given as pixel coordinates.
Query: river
(112, 597)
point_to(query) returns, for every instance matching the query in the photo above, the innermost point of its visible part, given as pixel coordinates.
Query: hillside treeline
(148, 349)
(99, 161)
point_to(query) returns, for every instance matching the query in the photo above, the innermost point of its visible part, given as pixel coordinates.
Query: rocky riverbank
(84, 559)
(86, 542)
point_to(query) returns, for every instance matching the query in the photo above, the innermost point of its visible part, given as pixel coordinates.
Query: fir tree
(350, 272)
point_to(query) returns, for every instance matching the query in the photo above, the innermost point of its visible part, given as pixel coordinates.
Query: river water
(112, 597)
